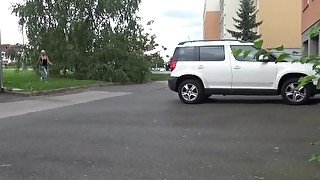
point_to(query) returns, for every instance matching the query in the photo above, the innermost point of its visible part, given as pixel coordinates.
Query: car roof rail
(209, 40)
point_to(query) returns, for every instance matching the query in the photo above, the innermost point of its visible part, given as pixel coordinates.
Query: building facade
(5, 47)
(310, 19)
(281, 21)
(211, 20)
(217, 19)
(229, 11)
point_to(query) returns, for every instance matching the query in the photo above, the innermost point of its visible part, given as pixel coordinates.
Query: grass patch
(160, 77)
(29, 81)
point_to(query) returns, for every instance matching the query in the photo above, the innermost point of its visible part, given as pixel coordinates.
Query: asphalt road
(144, 132)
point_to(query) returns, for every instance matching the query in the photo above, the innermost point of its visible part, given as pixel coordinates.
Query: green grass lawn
(29, 81)
(160, 77)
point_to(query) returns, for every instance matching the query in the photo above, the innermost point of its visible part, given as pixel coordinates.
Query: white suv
(203, 68)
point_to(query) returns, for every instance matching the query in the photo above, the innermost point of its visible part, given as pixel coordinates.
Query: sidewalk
(13, 96)
(42, 103)
(7, 97)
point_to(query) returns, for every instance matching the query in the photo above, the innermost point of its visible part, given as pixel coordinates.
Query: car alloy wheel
(189, 92)
(295, 93)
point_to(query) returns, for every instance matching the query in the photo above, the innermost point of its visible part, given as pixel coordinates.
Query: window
(250, 56)
(212, 53)
(252, 52)
(184, 54)
(314, 46)
(305, 48)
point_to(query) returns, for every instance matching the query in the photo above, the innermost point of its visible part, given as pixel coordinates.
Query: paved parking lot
(145, 132)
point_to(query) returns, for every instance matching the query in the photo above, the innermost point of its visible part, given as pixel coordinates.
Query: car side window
(185, 54)
(212, 53)
(245, 48)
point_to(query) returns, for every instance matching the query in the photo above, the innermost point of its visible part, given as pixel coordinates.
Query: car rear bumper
(172, 83)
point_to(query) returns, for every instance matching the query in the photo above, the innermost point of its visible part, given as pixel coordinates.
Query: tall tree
(247, 23)
(96, 39)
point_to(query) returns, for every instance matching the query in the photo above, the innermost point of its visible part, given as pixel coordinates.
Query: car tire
(191, 91)
(293, 96)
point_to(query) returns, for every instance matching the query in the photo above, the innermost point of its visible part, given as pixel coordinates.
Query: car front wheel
(190, 91)
(293, 94)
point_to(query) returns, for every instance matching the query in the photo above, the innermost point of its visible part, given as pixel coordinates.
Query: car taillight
(173, 64)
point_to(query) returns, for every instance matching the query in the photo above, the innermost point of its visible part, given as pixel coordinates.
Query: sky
(174, 21)
(10, 33)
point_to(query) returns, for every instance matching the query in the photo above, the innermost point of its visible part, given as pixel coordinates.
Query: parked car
(203, 68)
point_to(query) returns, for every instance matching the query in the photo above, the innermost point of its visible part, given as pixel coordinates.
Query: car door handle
(200, 67)
(237, 67)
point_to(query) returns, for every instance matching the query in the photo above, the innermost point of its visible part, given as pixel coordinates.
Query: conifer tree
(246, 22)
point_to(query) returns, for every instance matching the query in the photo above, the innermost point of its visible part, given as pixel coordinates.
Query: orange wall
(281, 23)
(212, 25)
(310, 14)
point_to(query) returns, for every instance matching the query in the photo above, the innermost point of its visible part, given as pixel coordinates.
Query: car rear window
(184, 54)
(212, 53)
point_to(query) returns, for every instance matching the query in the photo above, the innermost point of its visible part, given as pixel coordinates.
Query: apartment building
(211, 20)
(218, 16)
(310, 19)
(229, 11)
(281, 21)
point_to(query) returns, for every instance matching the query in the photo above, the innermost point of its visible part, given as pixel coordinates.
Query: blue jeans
(44, 72)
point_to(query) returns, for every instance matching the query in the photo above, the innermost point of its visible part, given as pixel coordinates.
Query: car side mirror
(264, 58)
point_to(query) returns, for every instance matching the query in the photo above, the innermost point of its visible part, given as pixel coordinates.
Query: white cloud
(175, 21)
(10, 33)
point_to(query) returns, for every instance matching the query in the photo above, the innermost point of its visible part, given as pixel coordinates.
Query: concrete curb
(56, 91)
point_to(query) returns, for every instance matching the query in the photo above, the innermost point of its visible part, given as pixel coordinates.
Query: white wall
(230, 8)
(212, 5)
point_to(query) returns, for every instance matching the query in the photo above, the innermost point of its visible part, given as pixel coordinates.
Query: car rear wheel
(190, 91)
(293, 94)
